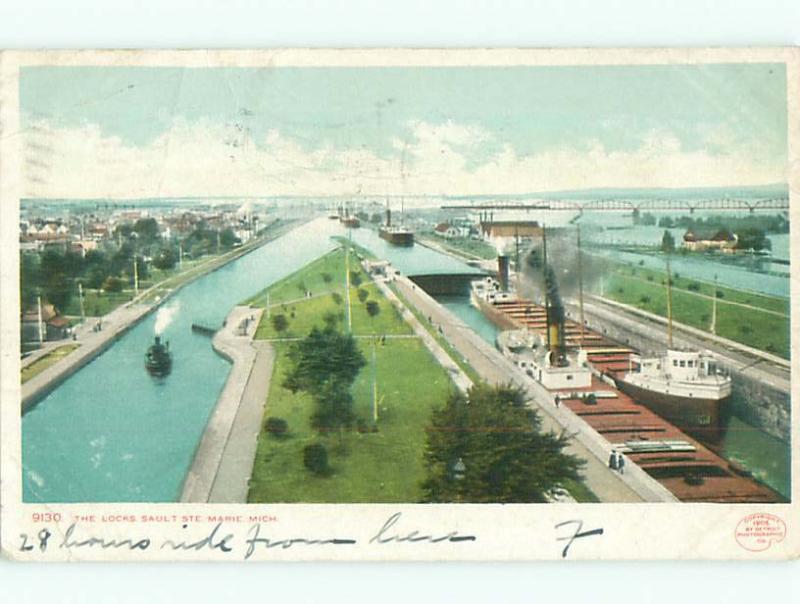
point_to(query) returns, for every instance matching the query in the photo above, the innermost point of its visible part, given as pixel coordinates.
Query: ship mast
(544, 274)
(580, 284)
(669, 305)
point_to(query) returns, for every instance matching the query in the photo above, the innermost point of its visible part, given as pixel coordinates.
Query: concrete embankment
(117, 322)
(634, 486)
(223, 460)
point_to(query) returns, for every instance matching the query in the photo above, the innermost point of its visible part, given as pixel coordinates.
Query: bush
(355, 278)
(276, 426)
(649, 277)
(362, 294)
(720, 293)
(693, 286)
(315, 458)
(279, 322)
(373, 308)
(645, 299)
(327, 277)
(337, 298)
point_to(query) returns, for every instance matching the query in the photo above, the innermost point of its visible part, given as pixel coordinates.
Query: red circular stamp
(757, 532)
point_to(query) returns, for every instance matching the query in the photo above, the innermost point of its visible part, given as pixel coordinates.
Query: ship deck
(700, 475)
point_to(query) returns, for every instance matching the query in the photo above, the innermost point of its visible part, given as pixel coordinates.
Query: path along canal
(111, 433)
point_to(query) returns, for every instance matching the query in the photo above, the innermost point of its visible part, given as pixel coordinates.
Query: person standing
(612, 460)
(621, 463)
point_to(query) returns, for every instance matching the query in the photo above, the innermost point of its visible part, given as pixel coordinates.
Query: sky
(134, 132)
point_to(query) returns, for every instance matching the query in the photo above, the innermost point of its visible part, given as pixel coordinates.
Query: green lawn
(385, 466)
(470, 247)
(97, 303)
(749, 326)
(46, 361)
(679, 282)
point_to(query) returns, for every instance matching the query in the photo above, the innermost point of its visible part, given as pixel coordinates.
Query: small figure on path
(612, 460)
(621, 463)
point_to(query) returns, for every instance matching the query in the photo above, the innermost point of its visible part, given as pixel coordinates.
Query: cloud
(202, 158)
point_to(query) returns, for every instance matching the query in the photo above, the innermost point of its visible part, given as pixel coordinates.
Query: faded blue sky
(717, 110)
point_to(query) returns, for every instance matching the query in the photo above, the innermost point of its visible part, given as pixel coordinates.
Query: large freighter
(683, 386)
(396, 235)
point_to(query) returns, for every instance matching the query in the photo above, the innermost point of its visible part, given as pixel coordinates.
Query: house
(698, 240)
(55, 326)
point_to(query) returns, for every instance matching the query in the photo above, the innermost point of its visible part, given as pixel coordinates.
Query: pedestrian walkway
(224, 457)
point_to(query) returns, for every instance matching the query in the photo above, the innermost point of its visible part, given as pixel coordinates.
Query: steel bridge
(629, 205)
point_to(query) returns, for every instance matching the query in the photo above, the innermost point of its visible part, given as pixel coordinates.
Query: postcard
(487, 304)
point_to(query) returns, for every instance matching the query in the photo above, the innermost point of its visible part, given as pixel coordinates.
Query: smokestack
(502, 272)
(388, 217)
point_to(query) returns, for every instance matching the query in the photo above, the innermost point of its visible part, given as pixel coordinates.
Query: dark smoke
(561, 277)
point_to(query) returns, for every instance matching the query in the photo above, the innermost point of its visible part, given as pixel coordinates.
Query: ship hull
(402, 238)
(705, 419)
(498, 318)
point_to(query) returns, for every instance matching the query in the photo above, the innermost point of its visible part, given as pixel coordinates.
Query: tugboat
(685, 387)
(158, 359)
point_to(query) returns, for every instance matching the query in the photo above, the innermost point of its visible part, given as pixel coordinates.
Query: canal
(111, 433)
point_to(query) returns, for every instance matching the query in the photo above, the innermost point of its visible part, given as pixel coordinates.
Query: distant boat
(158, 359)
(396, 235)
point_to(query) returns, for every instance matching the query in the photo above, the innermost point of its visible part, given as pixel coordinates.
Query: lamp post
(459, 471)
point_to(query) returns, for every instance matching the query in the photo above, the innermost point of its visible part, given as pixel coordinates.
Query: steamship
(684, 387)
(396, 235)
(158, 359)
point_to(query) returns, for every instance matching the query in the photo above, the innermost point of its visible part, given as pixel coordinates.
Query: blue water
(416, 260)
(113, 433)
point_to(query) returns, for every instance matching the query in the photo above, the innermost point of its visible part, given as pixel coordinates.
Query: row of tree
(55, 272)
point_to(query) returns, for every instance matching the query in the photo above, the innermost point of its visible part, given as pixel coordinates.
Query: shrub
(276, 426)
(355, 278)
(373, 308)
(337, 297)
(315, 458)
(720, 293)
(694, 286)
(649, 277)
(362, 294)
(279, 322)
(327, 277)
(645, 299)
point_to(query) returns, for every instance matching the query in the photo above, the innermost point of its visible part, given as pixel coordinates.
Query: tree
(666, 222)
(279, 322)
(327, 277)
(667, 242)
(146, 229)
(227, 238)
(362, 294)
(165, 259)
(276, 426)
(355, 278)
(322, 357)
(373, 308)
(315, 458)
(325, 364)
(753, 239)
(507, 458)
